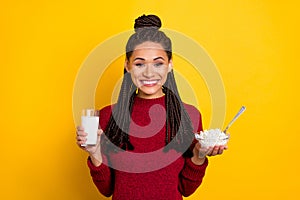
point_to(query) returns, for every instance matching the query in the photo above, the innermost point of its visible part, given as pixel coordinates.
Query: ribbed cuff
(192, 171)
(100, 171)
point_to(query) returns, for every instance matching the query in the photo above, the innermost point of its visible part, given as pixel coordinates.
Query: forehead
(147, 49)
(149, 45)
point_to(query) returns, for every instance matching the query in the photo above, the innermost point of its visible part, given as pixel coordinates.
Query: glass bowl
(212, 137)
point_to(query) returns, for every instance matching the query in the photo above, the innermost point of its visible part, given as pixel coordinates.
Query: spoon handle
(243, 108)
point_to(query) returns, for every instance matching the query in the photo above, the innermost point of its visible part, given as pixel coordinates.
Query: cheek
(135, 74)
(134, 77)
(164, 74)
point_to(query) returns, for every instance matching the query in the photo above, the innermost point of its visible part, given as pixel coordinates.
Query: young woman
(146, 147)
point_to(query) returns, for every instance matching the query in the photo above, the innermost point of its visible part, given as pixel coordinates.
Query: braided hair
(179, 130)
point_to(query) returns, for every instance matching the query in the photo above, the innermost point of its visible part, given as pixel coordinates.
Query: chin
(151, 93)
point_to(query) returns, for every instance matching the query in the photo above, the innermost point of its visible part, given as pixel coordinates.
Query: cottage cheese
(212, 137)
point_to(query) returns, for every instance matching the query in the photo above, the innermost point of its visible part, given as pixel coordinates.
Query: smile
(149, 82)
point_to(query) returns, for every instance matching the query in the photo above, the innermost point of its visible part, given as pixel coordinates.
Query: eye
(139, 64)
(158, 64)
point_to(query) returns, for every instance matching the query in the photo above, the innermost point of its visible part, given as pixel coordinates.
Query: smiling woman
(149, 66)
(148, 138)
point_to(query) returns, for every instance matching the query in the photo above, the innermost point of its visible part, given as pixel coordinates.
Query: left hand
(200, 152)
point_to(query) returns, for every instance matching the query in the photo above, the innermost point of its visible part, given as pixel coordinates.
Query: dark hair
(179, 131)
(147, 29)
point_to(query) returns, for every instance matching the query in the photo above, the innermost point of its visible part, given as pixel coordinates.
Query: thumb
(99, 132)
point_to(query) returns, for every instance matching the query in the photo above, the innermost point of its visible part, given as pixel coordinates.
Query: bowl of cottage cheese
(212, 137)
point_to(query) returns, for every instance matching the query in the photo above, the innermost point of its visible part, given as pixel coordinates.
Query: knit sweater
(147, 172)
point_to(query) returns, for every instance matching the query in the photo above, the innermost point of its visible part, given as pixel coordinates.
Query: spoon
(243, 108)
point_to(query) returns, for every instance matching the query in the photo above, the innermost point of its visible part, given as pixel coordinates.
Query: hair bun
(147, 21)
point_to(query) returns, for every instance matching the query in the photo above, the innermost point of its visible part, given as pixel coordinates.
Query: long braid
(118, 125)
(178, 120)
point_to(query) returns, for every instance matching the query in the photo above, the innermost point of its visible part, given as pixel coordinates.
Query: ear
(126, 65)
(170, 67)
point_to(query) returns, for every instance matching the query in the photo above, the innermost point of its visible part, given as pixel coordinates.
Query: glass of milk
(90, 123)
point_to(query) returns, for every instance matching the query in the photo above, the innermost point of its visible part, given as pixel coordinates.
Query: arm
(194, 168)
(191, 176)
(193, 171)
(102, 176)
(97, 163)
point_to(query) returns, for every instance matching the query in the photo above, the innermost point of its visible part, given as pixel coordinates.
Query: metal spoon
(243, 108)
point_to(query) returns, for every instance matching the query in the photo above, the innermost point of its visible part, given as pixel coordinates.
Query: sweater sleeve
(191, 177)
(102, 177)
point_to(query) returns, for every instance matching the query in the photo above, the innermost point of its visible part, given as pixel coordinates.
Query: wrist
(96, 160)
(198, 161)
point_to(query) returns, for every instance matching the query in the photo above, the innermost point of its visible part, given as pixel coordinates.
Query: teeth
(149, 82)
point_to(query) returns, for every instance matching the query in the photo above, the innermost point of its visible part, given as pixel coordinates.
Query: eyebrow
(138, 59)
(159, 58)
(143, 59)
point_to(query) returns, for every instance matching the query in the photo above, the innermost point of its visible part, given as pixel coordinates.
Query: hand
(217, 150)
(93, 150)
(201, 152)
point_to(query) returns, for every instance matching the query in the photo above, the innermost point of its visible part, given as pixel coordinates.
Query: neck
(150, 96)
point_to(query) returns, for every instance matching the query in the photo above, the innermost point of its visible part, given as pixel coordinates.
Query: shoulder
(195, 116)
(106, 110)
(192, 110)
(104, 116)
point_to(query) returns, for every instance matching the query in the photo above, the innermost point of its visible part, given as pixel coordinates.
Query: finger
(209, 151)
(80, 137)
(81, 143)
(80, 128)
(81, 140)
(215, 151)
(221, 149)
(82, 133)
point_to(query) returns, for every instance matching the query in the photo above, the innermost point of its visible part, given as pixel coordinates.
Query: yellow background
(254, 44)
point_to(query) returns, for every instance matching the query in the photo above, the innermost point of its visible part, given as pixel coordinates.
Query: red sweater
(147, 172)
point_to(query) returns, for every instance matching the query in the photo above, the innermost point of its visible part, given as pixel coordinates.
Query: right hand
(93, 150)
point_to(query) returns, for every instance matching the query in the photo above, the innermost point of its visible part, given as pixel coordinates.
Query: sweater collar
(158, 100)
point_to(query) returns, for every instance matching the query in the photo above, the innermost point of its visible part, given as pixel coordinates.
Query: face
(149, 66)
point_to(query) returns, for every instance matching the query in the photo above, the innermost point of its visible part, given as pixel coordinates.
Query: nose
(148, 72)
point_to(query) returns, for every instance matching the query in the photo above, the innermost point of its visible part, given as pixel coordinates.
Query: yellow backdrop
(254, 45)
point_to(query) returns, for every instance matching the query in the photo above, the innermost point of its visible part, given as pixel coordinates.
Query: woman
(146, 147)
